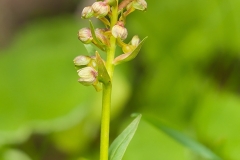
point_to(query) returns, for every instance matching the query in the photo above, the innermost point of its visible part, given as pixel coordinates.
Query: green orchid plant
(98, 72)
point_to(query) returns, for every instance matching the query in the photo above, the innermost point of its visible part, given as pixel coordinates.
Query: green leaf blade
(98, 43)
(193, 145)
(119, 145)
(90, 49)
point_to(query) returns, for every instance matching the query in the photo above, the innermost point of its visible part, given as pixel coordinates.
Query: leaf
(129, 56)
(90, 49)
(119, 145)
(183, 139)
(103, 75)
(99, 44)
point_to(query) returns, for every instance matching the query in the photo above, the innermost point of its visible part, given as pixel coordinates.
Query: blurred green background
(187, 74)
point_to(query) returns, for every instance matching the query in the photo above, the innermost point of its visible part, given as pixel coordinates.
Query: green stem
(107, 90)
(106, 108)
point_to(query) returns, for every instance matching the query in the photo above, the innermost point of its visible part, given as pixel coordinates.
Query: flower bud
(87, 12)
(81, 60)
(118, 31)
(140, 5)
(128, 48)
(135, 41)
(87, 75)
(100, 9)
(85, 35)
(101, 37)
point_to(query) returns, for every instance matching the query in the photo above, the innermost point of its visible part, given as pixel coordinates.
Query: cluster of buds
(100, 38)
(87, 70)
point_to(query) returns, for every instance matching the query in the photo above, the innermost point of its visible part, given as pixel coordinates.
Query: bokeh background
(187, 75)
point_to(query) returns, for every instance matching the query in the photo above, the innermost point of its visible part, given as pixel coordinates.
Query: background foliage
(187, 75)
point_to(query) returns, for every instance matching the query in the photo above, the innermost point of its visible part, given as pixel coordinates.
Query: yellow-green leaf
(119, 145)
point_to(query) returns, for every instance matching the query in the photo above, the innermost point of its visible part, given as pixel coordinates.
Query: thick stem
(106, 109)
(107, 90)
